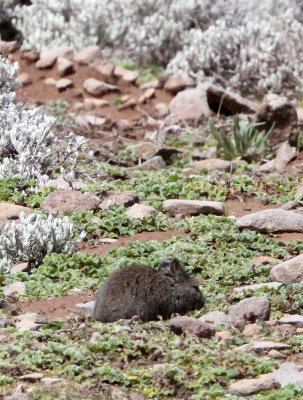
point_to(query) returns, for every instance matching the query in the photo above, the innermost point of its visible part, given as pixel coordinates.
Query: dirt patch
(246, 206)
(58, 308)
(288, 236)
(124, 241)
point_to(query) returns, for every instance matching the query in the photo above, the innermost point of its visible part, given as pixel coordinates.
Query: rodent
(148, 293)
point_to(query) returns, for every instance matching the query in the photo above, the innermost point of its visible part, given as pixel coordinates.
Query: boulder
(215, 318)
(35, 377)
(214, 163)
(275, 219)
(178, 82)
(88, 55)
(264, 347)
(248, 387)
(126, 74)
(182, 324)
(194, 207)
(141, 211)
(285, 154)
(98, 88)
(104, 67)
(91, 104)
(65, 66)
(288, 272)
(24, 78)
(289, 372)
(63, 84)
(125, 199)
(12, 211)
(14, 288)
(49, 57)
(62, 200)
(154, 164)
(256, 286)
(296, 320)
(252, 309)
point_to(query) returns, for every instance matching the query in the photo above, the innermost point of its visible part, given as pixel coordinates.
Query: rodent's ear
(171, 266)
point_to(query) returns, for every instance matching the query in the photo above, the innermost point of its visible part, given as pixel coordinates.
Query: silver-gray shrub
(34, 237)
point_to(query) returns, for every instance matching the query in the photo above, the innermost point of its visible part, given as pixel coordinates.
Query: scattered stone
(22, 267)
(78, 107)
(286, 330)
(299, 193)
(289, 372)
(104, 67)
(252, 309)
(148, 94)
(50, 381)
(24, 78)
(224, 335)
(17, 396)
(273, 219)
(128, 104)
(248, 387)
(88, 55)
(277, 355)
(126, 74)
(95, 337)
(155, 164)
(182, 324)
(65, 66)
(63, 84)
(215, 318)
(107, 240)
(178, 82)
(285, 154)
(14, 288)
(91, 104)
(98, 88)
(194, 207)
(145, 150)
(86, 308)
(62, 200)
(214, 163)
(155, 84)
(90, 120)
(11, 211)
(30, 55)
(267, 346)
(211, 152)
(290, 205)
(244, 349)
(162, 109)
(252, 330)
(290, 271)
(50, 82)
(191, 105)
(256, 286)
(6, 306)
(125, 199)
(49, 57)
(141, 211)
(296, 320)
(32, 377)
(9, 47)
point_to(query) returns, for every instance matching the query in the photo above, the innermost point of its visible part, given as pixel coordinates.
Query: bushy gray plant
(35, 237)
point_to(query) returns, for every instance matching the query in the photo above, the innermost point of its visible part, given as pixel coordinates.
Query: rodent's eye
(196, 287)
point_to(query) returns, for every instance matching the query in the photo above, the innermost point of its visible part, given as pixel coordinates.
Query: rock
(290, 205)
(162, 109)
(262, 260)
(50, 381)
(178, 82)
(98, 88)
(17, 396)
(63, 84)
(214, 163)
(62, 200)
(252, 330)
(296, 320)
(126, 74)
(285, 330)
(267, 346)
(269, 166)
(6, 306)
(191, 105)
(194, 207)
(148, 94)
(104, 67)
(65, 66)
(24, 78)
(278, 110)
(11, 211)
(86, 308)
(125, 199)
(288, 272)
(95, 337)
(49, 57)
(107, 240)
(14, 288)
(29, 317)
(32, 377)
(252, 309)
(289, 372)
(145, 150)
(211, 152)
(128, 104)
(272, 219)
(90, 120)
(248, 387)
(180, 325)
(151, 84)
(50, 82)
(155, 164)
(256, 286)
(277, 355)
(9, 47)
(22, 267)
(141, 211)
(225, 335)
(91, 104)
(285, 154)
(299, 193)
(30, 55)
(215, 318)
(88, 55)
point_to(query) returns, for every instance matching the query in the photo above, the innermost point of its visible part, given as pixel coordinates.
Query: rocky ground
(155, 188)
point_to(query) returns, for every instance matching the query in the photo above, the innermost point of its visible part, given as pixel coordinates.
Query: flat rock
(104, 67)
(90, 120)
(24, 78)
(211, 152)
(194, 207)
(252, 330)
(289, 372)
(64, 66)
(248, 387)
(155, 163)
(273, 219)
(178, 82)
(141, 211)
(256, 286)
(22, 267)
(17, 396)
(126, 74)
(191, 105)
(262, 260)
(62, 200)
(215, 318)
(285, 154)
(98, 88)
(88, 55)
(277, 355)
(63, 84)
(49, 57)
(225, 336)
(91, 104)
(194, 326)
(148, 94)
(290, 271)
(14, 288)
(162, 109)
(151, 84)
(87, 307)
(268, 345)
(31, 377)
(214, 163)
(251, 309)
(11, 211)
(50, 82)
(125, 199)
(50, 381)
(296, 320)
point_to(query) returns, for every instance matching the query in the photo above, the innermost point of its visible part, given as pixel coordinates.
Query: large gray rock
(141, 211)
(49, 57)
(14, 288)
(64, 66)
(12, 211)
(154, 164)
(98, 88)
(125, 199)
(273, 219)
(62, 200)
(289, 372)
(194, 207)
(252, 309)
(296, 320)
(191, 104)
(88, 55)
(285, 154)
(193, 326)
(256, 286)
(214, 163)
(215, 318)
(248, 387)
(290, 271)
(178, 82)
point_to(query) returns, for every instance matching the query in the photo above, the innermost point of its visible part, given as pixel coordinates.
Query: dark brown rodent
(148, 293)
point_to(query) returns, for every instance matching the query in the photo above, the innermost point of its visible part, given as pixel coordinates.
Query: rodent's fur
(148, 293)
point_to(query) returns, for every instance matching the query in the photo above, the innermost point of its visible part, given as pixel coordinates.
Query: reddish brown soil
(57, 308)
(246, 206)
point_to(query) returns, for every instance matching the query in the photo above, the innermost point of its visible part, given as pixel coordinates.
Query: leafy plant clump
(245, 142)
